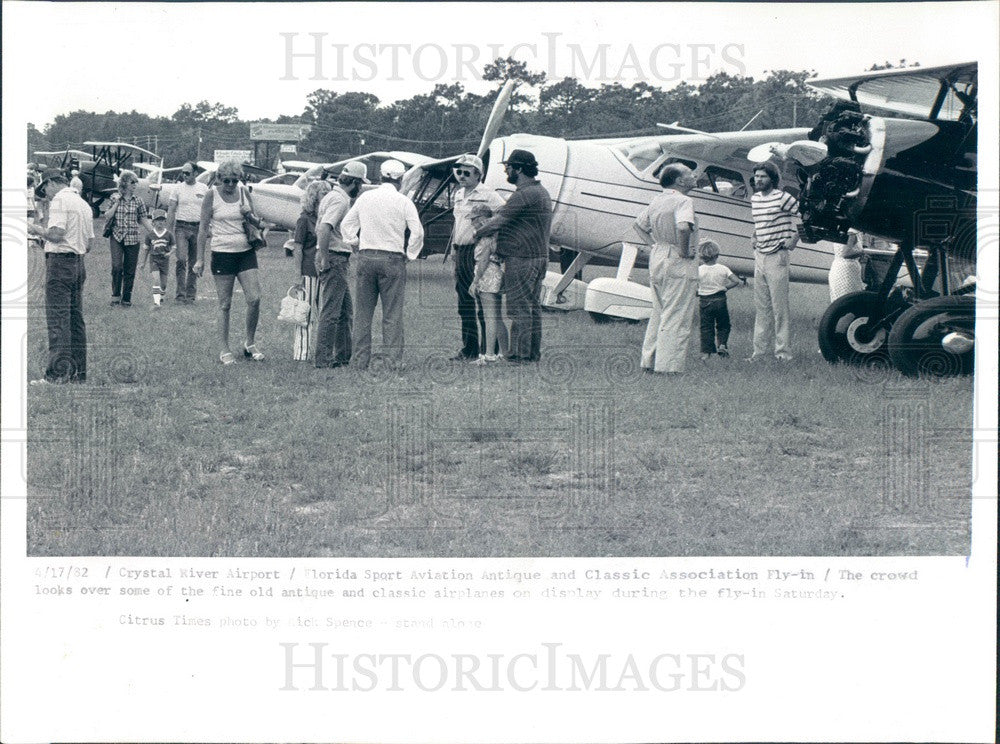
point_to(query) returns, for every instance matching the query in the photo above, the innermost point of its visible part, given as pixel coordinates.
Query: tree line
(450, 119)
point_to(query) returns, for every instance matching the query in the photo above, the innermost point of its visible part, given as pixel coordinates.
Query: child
(713, 281)
(488, 281)
(158, 245)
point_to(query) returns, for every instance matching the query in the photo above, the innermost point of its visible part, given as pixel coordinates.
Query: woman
(222, 213)
(845, 270)
(127, 213)
(304, 251)
(487, 282)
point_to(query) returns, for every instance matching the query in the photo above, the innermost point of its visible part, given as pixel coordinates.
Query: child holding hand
(714, 279)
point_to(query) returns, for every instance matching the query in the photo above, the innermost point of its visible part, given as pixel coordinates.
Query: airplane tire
(841, 329)
(915, 339)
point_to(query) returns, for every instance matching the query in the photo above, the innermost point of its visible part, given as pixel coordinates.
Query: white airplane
(598, 187)
(279, 202)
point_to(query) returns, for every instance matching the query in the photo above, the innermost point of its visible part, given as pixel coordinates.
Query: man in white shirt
(67, 237)
(391, 235)
(468, 171)
(183, 216)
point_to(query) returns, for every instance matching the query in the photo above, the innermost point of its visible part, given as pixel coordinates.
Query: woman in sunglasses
(127, 212)
(222, 213)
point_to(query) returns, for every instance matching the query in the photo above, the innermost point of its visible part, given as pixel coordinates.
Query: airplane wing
(728, 149)
(124, 146)
(916, 91)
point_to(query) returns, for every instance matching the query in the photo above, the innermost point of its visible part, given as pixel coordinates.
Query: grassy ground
(166, 453)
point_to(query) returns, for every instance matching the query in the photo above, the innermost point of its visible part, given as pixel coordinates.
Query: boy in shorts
(158, 246)
(714, 279)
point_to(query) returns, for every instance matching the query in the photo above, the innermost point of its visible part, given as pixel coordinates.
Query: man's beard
(512, 177)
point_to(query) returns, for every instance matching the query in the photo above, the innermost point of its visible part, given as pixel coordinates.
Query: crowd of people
(499, 249)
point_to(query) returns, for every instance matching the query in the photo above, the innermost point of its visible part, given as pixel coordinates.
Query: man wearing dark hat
(775, 216)
(67, 237)
(522, 226)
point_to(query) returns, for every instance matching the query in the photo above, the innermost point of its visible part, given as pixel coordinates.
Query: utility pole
(795, 111)
(198, 156)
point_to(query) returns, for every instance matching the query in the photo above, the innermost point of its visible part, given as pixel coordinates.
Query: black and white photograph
(516, 335)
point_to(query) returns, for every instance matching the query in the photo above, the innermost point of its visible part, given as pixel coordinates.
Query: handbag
(294, 307)
(109, 227)
(255, 236)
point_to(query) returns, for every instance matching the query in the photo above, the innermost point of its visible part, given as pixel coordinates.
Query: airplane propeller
(500, 107)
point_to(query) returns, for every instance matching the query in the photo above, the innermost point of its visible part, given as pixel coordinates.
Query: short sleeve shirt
(71, 213)
(665, 214)
(712, 279)
(159, 245)
(188, 200)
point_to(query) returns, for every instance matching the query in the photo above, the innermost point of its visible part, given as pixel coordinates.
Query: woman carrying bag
(225, 212)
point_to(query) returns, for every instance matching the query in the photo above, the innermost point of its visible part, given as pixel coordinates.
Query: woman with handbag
(123, 219)
(227, 216)
(304, 252)
(845, 270)
(488, 284)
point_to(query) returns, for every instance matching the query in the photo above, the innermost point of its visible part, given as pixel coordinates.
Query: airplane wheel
(844, 335)
(915, 342)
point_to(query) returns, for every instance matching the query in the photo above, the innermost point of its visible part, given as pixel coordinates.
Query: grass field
(166, 453)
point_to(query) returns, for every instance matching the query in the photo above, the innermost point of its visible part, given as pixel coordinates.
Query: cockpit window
(723, 181)
(641, 155)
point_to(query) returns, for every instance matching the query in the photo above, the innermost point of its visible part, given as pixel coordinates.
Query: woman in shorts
(222, 212)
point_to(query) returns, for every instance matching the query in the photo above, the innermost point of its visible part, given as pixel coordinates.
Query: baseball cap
(470, 159)
(53, 174)
(356, 169)
(521, 157)
(158, 214)
(392, 169)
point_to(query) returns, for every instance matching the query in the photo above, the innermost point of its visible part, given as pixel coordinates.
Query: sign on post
(240, 156)
(263, 132)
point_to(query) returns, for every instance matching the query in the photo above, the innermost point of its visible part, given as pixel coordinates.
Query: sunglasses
(464, 172)
(229, 181)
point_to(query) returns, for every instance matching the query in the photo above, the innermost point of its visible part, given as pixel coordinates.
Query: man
(468, 171)
(670, 225)
(333, 330)
(183, 216)
(67, 237)
(775, 216)
(522, 226)
(383, 216)
(75, 182)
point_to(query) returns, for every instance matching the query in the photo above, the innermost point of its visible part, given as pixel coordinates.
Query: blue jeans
(333, 330)
(186, 235)
(522, 282)
(381, 275)
(64, 278)
(124, 260)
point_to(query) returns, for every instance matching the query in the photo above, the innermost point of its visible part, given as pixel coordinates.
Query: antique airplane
(598, 187)
(911, 181)
(99, 168)
(279, 202)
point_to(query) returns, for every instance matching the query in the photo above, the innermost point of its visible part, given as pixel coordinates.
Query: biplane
(905, 172)
(99, 168)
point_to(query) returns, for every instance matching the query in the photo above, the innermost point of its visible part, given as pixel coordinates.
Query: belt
(714, 295)
(386, 251)
(463, 246)
(342, 253)
(71, 254)
(187, 222)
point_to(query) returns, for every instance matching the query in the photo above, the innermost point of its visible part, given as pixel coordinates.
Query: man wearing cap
(468, 171)
(67, 237)
(383, 216)
(183, 216)
(669, 224)
(75, 182)
(333, 330)
(775, 216)
(522, 227)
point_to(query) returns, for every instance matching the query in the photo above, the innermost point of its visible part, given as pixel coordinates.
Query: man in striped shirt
(775, 235)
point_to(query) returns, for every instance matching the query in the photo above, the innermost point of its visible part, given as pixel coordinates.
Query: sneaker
(481, 361)
(41, 381)
(755, 358)
(783, 357)
(491, 358)
(126, 304)
(704, 357)
(116, 301)
(723, 351)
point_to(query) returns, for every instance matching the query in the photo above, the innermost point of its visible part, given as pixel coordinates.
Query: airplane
(278, 202)
(598, 188)
(911, 181)
(100, 167)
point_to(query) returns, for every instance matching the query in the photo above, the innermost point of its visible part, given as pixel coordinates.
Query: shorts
(232, 264)
(159, 262)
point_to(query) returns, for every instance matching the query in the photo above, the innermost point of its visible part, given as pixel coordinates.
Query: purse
(109, 227)
(294, 307)
(255, 236)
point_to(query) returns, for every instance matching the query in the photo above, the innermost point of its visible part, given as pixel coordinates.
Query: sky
(153, 57)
